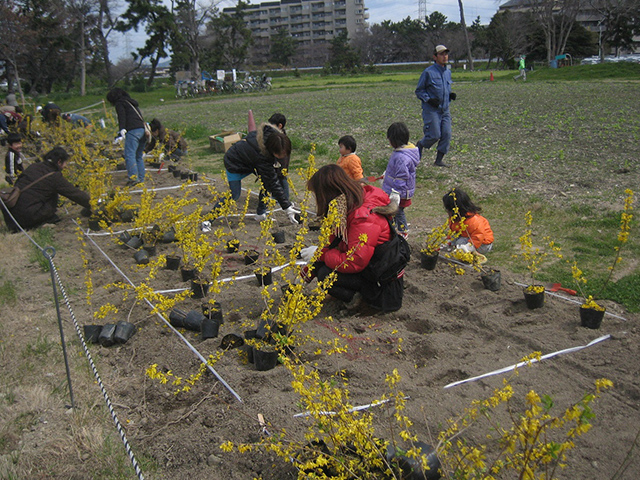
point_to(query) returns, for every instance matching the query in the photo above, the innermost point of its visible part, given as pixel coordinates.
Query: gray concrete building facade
(312, 23)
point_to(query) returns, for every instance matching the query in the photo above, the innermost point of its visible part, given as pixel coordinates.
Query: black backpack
(384, 274)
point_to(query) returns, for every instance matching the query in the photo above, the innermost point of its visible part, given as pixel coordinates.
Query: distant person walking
(523, 69)
(434, 91)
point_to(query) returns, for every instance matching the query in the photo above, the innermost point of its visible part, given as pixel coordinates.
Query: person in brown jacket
(37, 205)
(174, 144)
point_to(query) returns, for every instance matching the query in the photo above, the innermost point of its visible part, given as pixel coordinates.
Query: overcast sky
(379, 10)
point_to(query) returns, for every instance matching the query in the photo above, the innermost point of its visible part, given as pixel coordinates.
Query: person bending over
(37, 204)
(358, 242)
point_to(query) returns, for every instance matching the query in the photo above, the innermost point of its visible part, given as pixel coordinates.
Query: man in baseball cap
(434, 90)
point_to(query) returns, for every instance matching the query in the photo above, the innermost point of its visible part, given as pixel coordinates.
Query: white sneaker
(260, 218)
(205, 226)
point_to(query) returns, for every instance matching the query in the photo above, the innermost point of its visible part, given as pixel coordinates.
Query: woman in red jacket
(363, 210)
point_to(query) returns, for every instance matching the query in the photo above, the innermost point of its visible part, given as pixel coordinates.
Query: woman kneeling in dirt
(40, 185)
(368, 269)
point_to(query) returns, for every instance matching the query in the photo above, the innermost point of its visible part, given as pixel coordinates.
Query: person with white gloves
(307, 253)
(132, 131)
(120, 137)
(363, 225)
(259, 154)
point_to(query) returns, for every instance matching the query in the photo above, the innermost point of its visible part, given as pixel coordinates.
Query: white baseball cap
(440, 49)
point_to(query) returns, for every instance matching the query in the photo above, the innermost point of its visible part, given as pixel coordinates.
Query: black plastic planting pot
(193, 176)
(412, 467)
(279, 236)
(533, 299)
(251, 257)
(209, 328)
(190, 321)
(591, 318)
(264, 276)
(128, 215)
(92, 333)
(173, 262)
(94, 224)
(265, 357)
(134, 242)
(188, 273)
(429, 262)
(231, 340)
(177, 173)
(141, 257)
(266, 329)
(213, 311)
(124, 237)
(169, 236)
(106, 338)
(232, 246)
(124, 331)
(199, 287)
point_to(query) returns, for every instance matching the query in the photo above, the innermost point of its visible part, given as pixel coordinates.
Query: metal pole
(49, 253)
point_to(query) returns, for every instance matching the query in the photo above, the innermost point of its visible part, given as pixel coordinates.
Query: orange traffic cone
(252, 123)
(491, 77)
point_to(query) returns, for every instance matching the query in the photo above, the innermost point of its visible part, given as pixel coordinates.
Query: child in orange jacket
(476, 235)
(348, 160)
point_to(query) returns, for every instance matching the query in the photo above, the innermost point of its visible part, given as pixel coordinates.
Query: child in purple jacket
(400, 176)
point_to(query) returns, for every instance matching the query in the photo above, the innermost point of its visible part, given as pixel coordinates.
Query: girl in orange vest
(476, 234)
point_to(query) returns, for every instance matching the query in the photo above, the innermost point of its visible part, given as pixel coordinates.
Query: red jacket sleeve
(376, 232)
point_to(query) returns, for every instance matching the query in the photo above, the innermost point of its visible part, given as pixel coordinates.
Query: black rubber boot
(439, 162)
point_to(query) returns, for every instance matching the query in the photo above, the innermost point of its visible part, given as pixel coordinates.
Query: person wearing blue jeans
(132, 130)
(434, 91)
(235, 186)
(134, 143)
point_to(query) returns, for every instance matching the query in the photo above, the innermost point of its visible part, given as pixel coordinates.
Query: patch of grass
(8, 293)
(303, 145)
(193, 132)
(625, 291)
(41, 347)
(43, 237)
(113, 464)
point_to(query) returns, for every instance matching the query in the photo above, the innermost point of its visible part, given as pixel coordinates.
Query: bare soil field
(449, 329)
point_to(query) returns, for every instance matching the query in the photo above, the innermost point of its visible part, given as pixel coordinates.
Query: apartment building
(313, 23)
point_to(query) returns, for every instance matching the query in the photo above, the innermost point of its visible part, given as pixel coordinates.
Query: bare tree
(619, 21)
(466, 35)
(191, 19)
(556, 17)
(105, 24)
(84, 13)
